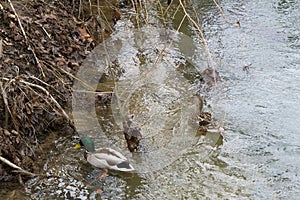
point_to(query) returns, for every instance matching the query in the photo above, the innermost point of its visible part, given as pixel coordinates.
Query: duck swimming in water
(104, 158)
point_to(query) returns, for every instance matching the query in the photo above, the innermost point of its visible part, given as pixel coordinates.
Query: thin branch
(48, 94)
(224, 16)
(136, 13)
(198, 28)
(41, 88)
(7, 108)
(18, 169)
(1, 47)
(36, 59)
(19, 21)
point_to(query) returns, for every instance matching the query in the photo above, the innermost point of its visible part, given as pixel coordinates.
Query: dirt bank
(42, 44)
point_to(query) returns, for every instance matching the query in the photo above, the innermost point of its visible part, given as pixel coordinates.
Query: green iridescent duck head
(87, 143)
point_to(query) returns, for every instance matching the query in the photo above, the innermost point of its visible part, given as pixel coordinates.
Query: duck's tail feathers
(124, 167)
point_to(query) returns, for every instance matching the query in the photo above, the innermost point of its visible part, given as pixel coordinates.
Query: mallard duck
(104, 158)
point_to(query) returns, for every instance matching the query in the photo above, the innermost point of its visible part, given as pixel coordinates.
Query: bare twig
(1, 47)
(35, 86)
(80, 9)
(19, 21)
(49, 95)
(7, 108)
(143, 7)
(18, 169)
(36, 59)
(94, 92)
(49, 36)
(133, 2)
(182, 20)
(197, 25)
(224, 16)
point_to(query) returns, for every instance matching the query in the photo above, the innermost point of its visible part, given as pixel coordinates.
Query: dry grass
(41, 48)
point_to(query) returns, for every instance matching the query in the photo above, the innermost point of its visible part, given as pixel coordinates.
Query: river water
(261, 59)
(257, 104)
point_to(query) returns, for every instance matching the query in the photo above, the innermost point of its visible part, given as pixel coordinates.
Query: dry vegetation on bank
(42, 44)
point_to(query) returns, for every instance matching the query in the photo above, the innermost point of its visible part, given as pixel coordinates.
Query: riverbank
(42, 45)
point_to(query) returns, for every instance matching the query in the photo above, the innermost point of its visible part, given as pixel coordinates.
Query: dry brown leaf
(49, 16)
(84, 34)
(116, 15)
(6, 132)
(14, 132)
(17, 140)
(12, 16)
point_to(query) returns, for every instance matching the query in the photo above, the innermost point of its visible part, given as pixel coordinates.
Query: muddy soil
(42, 44)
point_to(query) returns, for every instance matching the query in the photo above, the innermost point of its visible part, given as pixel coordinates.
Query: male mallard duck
(104, 158)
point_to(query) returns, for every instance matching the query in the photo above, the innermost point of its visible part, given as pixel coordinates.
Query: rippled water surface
(262, 104)
(257, 104)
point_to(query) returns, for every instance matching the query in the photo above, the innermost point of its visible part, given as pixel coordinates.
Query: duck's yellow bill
(77, 146)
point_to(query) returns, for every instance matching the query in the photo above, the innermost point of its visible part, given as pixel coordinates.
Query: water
(262, 107)
(258, 106)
